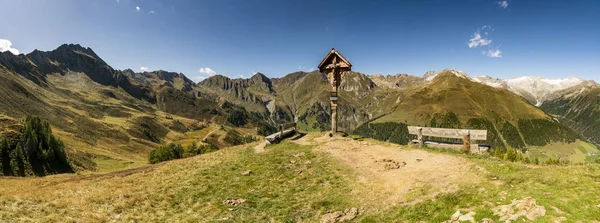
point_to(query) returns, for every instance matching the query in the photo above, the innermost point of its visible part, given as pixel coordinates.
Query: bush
(499, 153)
(175, 151)
(511, 155)
(166, 152)
(527, 160)
(194, 150)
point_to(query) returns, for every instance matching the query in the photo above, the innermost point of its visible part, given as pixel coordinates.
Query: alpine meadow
(299, 111)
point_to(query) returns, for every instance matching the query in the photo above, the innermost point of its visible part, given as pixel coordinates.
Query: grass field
(292, 183)
(578, 152)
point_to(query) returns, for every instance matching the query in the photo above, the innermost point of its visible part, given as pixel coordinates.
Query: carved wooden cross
(334, 65)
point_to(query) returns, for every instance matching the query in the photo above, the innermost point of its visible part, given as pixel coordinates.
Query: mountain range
(108, 114)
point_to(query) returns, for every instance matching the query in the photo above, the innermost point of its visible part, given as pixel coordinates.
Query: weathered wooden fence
(285, 130)
(465, 134)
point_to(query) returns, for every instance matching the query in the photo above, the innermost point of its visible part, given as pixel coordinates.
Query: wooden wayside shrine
(335, 66)
(465, 134)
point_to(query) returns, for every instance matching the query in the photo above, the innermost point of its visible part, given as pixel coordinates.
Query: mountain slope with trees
(104, 115)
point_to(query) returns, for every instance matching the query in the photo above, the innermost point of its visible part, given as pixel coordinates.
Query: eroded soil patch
(390, 175)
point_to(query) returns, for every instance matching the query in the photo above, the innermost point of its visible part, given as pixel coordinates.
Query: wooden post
(281, 131)
(467, 142)
(334, 102)
(420, 136)
(334, 65)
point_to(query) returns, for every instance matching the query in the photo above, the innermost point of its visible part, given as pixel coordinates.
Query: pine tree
(498, 153)
(33, 146)
(4, 147)
(519, 156)
(15, 161)
(510, 155)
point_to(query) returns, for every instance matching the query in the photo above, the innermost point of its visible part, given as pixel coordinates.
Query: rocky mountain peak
(429, 75)
(449, 73)
(263, 81)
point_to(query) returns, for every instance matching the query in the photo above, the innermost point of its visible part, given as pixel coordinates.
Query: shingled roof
(333, 53)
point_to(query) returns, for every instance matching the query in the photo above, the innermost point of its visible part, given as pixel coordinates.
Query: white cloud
(118, 1)
(137, 8)
(503, 4)
(5, 45)
(480, 38)
(494, 53)
(312, 69)
(143, 69)
(151, 12)
(241, 76)
(477, 40)
(208, 71)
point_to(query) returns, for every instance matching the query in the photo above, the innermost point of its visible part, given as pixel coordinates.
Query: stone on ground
(338, 216)
(526, 207)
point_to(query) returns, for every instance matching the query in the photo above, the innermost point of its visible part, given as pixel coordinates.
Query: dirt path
(304, 139)
(209, 133)
(391, 175)
(260, 147)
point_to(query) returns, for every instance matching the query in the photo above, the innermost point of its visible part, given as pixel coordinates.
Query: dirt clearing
(390, 175)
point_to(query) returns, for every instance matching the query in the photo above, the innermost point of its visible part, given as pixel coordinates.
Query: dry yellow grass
(138, 194)
(291, 182)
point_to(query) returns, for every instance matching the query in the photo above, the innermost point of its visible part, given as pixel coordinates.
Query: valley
(111, 119)
(306, 111)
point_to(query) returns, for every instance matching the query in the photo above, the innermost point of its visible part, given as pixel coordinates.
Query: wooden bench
(285, 130)
(465, 134)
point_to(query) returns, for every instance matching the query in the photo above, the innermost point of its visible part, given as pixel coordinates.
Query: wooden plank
(273, 137)
(448, 133)
(278, 136)
(474, 148)
(478, 134)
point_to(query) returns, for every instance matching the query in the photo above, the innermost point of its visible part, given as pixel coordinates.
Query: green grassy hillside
(107, 120)
(310, 183)
(450, 101)
(581, 113)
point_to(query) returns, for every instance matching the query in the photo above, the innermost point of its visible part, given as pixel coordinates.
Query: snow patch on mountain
(429, 75)
(528, 86)
(541, 88)
(487, 80)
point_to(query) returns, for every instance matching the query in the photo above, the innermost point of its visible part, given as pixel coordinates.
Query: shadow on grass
(298, 136)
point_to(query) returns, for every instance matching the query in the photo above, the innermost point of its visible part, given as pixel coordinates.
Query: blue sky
(502, 39)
